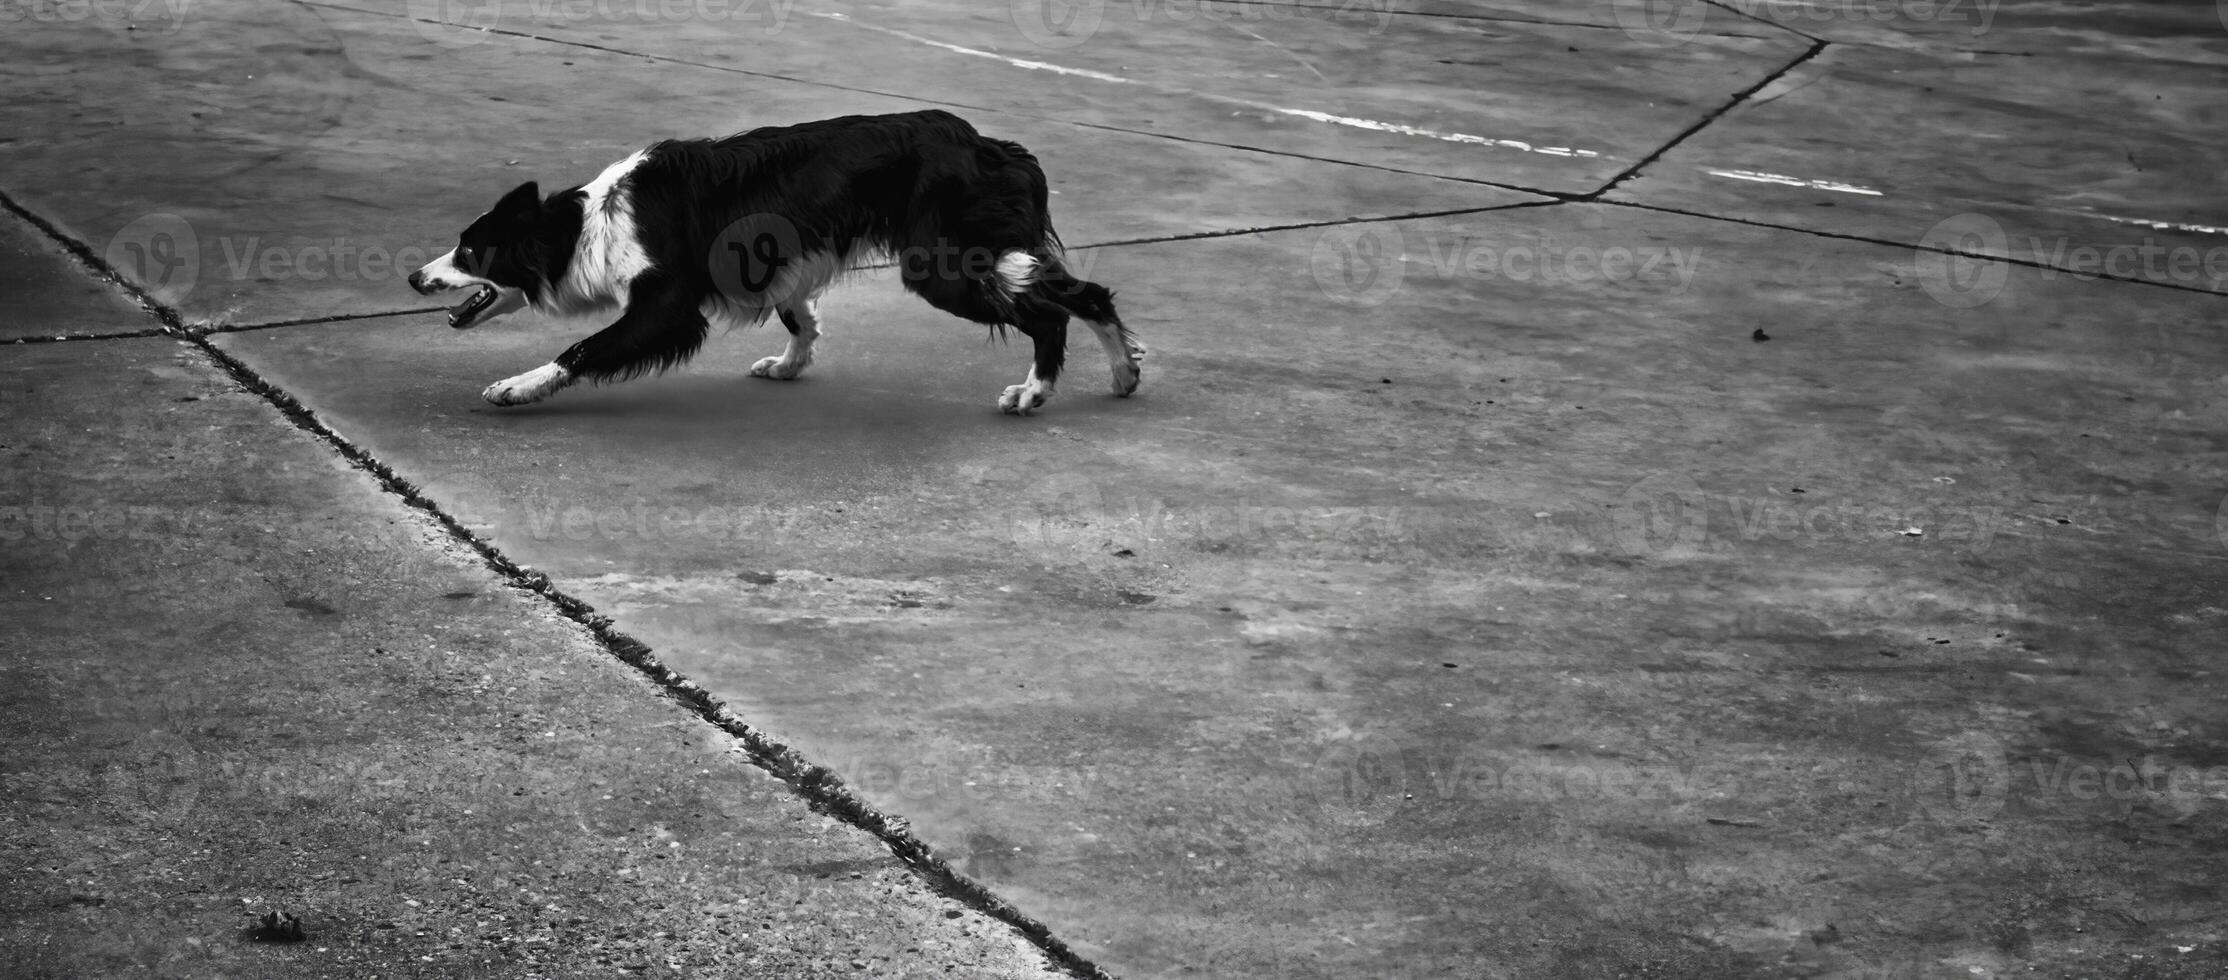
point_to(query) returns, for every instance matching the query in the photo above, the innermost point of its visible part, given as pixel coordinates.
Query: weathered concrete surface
(238, 678)
(1963, 155)
(47, 297)
(1423, 94)
(320, 145)
(2129, 32)
(1342, 625)
(1449, 602)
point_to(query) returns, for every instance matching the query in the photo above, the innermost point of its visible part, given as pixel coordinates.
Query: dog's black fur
(760, 222)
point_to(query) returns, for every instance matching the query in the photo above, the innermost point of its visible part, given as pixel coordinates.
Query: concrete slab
(287, 163)
(1959, 152)
(1577, 591)
(1520, 616)
(237, 678)
(2144, 31)
(1570, 106)
(48, 296)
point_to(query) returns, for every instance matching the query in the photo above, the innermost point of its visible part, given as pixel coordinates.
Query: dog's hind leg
(1095, 305)
(662, 327)
(1048, 326)
(803, 320)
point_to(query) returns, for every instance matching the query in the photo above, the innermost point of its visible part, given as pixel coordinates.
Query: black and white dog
(762, 222)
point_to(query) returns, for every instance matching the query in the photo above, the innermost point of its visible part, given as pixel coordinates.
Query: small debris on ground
(277, 927)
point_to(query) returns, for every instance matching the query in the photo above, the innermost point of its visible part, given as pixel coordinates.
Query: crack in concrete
(821, 788)
(98, 268)
(1704, 123)
(667, 59)
(1915, 246)
(1766, 21)
(1300, 226)
(1349, 7)
(217, 328)
(1196, 141)
(73, 337)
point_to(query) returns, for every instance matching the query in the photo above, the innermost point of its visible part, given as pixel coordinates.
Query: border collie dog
(761, 223)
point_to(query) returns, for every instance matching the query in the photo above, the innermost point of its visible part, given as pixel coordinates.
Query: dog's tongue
(462, 313)
(484, 304)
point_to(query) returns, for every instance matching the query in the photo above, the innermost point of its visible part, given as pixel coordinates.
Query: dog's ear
(521, 204)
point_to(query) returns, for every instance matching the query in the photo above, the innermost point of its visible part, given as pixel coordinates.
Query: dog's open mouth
(486, 303)
(464, 313)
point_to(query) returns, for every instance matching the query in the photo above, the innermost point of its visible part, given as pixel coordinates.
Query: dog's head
(493, 258)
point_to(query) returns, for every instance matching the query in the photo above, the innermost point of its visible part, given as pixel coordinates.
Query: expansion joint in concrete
(820, 787)
(1739, 97)
(98, 268)
(1915, 246)
(1766, 21)
(1304, 225)
(71, 338)
(313, 320)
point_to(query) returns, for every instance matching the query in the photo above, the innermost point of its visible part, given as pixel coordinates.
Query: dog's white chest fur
(609, 255)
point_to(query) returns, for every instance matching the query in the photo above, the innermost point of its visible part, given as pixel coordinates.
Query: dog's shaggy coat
(761, 222)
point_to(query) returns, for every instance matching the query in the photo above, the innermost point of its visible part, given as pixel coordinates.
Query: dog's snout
(417, 282)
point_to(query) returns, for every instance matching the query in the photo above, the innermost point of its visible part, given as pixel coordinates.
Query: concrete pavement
(242, 679)
(1620, 490)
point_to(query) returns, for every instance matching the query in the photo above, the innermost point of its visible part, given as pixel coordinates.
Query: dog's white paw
(528, 388)
(1022, 399)
(776, 368)
(1127, 376)
(1128, 356)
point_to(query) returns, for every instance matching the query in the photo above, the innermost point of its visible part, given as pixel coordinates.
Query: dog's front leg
(662, 326)
(803, 321)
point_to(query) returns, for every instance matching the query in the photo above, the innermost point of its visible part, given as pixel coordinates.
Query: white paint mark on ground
(2166, 225)
(1016, 62)
(1761, 177)
(1323, 117)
